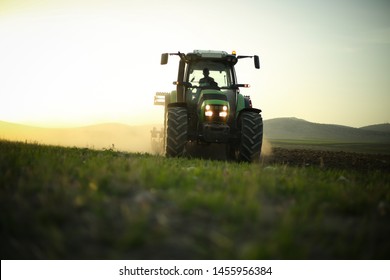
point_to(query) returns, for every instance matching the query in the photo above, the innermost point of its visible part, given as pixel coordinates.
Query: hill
(384, 127)
(298, 129)
(137, 138)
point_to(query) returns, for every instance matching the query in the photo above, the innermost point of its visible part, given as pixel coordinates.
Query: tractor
(207, 108)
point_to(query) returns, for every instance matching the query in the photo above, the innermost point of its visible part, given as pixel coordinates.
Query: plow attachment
(159, 98)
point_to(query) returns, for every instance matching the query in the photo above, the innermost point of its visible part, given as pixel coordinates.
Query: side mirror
(257, 61)
(164, 58)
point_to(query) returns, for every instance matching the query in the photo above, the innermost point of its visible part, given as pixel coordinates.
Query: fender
(255, 110)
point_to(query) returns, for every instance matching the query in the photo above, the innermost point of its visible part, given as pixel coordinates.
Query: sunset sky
(80, 62)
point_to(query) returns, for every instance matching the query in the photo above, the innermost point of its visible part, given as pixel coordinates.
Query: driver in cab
(207, 81)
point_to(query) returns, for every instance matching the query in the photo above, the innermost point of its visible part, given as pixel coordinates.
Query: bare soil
(329, 159)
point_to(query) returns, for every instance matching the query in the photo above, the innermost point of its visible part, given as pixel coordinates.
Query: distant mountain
(384, 127)
(298, 129)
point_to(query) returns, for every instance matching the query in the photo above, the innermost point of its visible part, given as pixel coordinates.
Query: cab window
(220, 72)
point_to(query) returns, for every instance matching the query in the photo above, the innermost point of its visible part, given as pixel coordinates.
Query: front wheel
(176, 134)
(251, 127)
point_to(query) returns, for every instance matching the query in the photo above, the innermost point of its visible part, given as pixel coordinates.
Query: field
(335, 146)
(77, 203)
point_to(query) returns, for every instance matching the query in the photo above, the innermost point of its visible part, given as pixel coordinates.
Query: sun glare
(80, 62)
(75, 71)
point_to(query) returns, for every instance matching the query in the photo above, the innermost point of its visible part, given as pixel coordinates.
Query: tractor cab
(210, 96)
(202, 75)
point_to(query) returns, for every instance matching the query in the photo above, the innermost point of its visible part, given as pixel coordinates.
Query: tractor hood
(211, 94)
(213, 106)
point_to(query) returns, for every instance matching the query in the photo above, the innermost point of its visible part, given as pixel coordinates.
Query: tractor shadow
(210, 151)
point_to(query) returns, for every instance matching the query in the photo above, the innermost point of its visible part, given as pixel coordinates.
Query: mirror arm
(186, 84)
(237, 86)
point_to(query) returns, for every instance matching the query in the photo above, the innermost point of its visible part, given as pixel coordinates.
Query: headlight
(208, 113)
(213, 112)
(223, 114)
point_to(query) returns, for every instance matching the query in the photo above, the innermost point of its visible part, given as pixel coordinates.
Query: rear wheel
(176, 135)
(251, 126)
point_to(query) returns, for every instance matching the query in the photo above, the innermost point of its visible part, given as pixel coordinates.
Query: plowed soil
(329, 159)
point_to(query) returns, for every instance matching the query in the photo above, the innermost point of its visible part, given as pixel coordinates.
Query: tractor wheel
(177, 123)
(251, 126)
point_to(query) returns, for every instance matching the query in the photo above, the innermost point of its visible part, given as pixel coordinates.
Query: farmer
(207, 80)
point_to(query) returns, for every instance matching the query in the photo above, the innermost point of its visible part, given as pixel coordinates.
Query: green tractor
(207, 108)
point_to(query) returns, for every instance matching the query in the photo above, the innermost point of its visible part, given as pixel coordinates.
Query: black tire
(177, 125)
(251, 127)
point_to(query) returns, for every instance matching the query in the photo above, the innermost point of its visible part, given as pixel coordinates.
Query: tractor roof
(211, 55)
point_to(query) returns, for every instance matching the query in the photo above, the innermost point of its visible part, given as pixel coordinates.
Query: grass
(72, 203)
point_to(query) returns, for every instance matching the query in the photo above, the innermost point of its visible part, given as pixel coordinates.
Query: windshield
(218, 72)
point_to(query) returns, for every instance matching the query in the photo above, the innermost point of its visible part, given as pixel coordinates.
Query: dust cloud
(266, 149)
(104, 136)
(118, 137)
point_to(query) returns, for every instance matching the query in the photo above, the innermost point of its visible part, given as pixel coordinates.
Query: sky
(67, 63)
